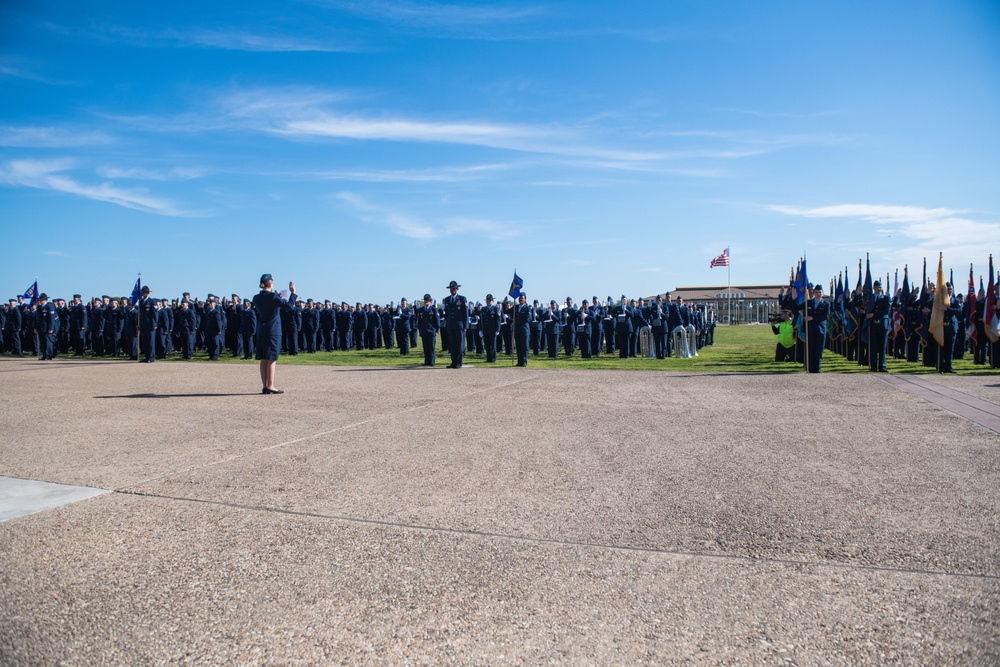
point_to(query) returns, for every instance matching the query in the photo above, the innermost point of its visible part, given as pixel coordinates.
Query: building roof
(724, 292)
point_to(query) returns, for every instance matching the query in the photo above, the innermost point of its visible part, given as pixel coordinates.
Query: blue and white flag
(31, 293)
(137, 290)
(515, 286)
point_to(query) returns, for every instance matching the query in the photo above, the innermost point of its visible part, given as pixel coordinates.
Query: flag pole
(138, 314)
(729, 288)
(805, 314)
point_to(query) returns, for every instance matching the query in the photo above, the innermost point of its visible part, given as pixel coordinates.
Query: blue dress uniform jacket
(456, 316)
(819, 311)
(269, 306)
(525, 317)
(248, 327)
(878, 330)
(46, 324)
(186, 328)
(427, 323)
(623, 329)
(214, 328)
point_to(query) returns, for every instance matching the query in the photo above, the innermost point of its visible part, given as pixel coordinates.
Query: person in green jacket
(783, 329)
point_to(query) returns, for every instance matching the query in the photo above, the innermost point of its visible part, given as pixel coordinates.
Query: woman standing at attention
(268, 306)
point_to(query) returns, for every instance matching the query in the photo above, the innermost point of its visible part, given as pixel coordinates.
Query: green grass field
(748, 349)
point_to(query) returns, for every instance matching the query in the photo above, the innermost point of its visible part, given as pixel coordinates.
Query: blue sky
(379, 149)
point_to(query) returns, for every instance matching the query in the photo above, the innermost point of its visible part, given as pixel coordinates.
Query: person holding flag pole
(990, 319)
(515, 293)
(801, 287)
(944, 320)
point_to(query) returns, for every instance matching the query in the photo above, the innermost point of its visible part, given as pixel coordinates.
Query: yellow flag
(937, 310)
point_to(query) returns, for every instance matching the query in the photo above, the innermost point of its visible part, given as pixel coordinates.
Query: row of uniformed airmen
(154, 327)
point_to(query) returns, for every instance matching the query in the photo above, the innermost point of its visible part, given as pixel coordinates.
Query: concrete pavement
(495, 516)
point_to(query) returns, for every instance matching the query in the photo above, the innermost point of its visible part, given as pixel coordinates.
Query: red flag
(991, 308)
(970, 331)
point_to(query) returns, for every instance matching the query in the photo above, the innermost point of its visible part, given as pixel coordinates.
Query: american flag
(721, 260)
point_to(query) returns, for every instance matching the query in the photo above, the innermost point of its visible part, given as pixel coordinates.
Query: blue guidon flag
(31, 293)
(515, 286)
(137, 290)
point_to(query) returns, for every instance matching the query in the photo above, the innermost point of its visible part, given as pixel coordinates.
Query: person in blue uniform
(401, 324)
(95, 321)
(490, 320)
(456, 316)
(113, 328)
(388, 326)
(816, 316)
(45, 327)
(327, 325)
(373, 321)
(428, 325)
(248, 327)
(657, 323)
(623, 327)
(610, 325)
(638, 322)
(234, 341)
(552, 324)
(147, 325)
(581, 322)
(878, 328)
(536, 331)
(525, 317)
(474, 334)
(596, 327)
(569, 331)
(78, 326)
(952, 309)
(310, 326)
(186, 326)
(214, 329)
(269, 306)
(359, 323)
(12, 329)
(344, 323)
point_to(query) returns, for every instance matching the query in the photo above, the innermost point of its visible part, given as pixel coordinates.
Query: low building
(738, 304)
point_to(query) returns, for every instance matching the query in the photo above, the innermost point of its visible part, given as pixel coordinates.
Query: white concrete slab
(20, 497)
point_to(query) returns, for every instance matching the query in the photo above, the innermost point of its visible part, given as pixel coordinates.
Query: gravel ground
(496, 516)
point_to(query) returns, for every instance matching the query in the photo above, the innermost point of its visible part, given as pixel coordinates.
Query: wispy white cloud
(411, 226)
(50, 137)
(434, 14)
(444, 175)
(307, 114)
(920, 231)
(139, 174)
(50, 175)
(238, 40)
(229, 38)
